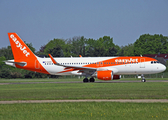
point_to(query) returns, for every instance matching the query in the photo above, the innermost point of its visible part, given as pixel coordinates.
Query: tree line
(104, 46)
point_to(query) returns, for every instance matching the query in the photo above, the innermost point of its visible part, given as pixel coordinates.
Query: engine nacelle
(106, 75)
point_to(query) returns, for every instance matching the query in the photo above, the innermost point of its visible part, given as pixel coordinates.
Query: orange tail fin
(24, 58)
(20, 50)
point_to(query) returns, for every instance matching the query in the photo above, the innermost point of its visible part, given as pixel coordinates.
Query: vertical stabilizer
(24, 58)
(20, 50)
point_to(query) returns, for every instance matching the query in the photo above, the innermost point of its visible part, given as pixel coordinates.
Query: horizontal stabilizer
(12, 63)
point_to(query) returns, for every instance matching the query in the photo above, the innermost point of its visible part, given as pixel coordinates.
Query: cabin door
(37, 64)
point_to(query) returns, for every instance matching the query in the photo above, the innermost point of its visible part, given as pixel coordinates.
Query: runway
(116, 81)
(89, 100)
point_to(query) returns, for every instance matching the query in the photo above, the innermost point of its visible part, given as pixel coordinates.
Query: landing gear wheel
(92, 79)
(85, 80)
(143, 80)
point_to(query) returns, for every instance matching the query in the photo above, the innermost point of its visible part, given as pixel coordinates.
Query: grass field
(83, 110)
(155, 90)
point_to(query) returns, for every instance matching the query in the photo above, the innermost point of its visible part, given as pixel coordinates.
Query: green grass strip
(51, 91)
(85, 111)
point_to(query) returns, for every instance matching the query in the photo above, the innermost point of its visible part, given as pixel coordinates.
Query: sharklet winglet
(54, 61)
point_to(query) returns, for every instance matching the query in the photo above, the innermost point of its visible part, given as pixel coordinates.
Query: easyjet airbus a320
(103, 68)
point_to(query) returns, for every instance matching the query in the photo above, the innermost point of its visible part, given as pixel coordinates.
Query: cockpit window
(154, 62)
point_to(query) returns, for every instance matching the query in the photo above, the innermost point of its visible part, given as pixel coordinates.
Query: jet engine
(106, 75)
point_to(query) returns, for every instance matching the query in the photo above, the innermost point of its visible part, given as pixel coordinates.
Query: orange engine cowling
(107, 75)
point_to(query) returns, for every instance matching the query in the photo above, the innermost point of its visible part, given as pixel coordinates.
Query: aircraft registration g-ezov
(104, 68)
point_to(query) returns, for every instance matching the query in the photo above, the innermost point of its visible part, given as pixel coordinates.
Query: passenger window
(154, 61)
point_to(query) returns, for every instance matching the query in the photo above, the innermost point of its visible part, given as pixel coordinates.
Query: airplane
(103, 68)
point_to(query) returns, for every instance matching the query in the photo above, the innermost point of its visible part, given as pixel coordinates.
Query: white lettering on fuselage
(126, 60)
(19, 45)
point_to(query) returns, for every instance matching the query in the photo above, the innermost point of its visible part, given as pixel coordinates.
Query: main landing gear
(87, 80)
(143, 78)
(92, 79)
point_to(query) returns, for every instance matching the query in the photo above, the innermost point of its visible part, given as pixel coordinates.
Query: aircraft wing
(87, 70)
(68, 66)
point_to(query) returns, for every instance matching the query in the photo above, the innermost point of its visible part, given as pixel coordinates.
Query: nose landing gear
(143, 78)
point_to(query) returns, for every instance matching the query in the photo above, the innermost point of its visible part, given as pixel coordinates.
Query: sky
(39, 21)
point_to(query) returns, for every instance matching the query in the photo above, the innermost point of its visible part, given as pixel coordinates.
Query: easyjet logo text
(19, 45)
(126, 60)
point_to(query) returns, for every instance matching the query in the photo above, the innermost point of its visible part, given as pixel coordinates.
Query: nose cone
(162, 67)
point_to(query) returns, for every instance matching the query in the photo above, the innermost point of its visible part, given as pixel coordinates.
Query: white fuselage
(129, 68)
